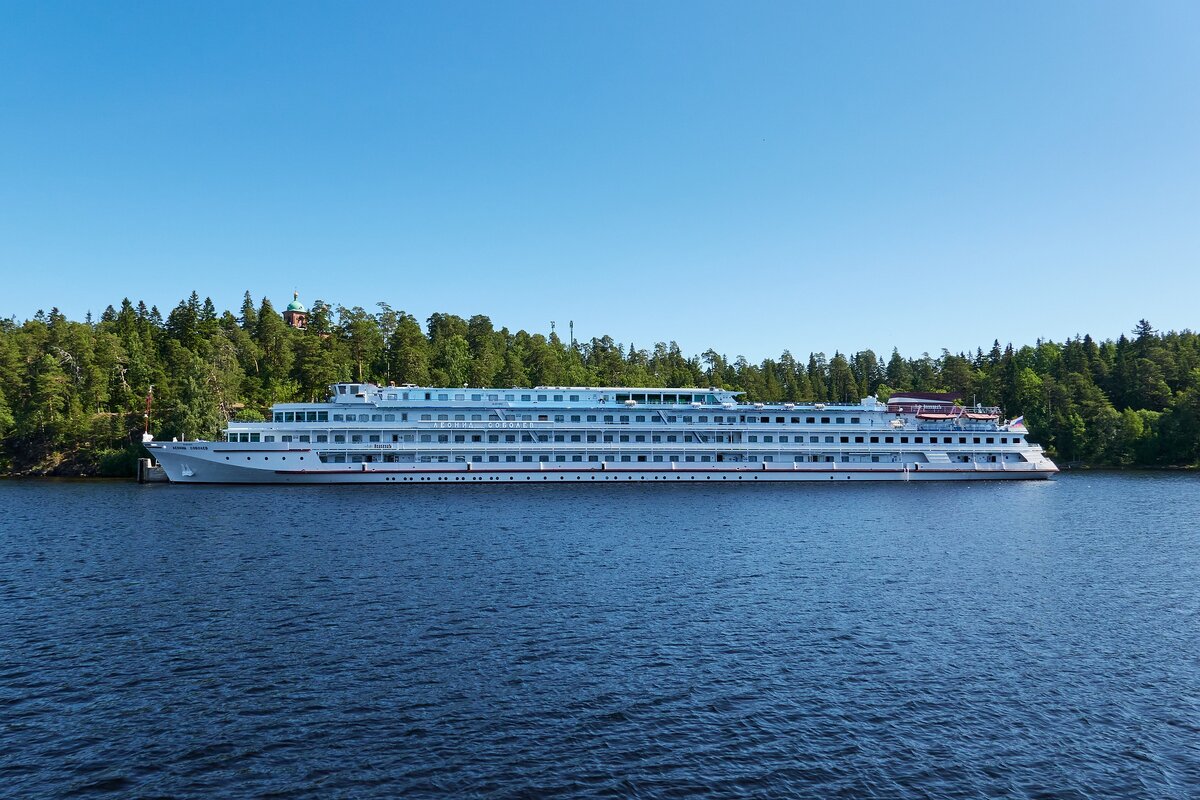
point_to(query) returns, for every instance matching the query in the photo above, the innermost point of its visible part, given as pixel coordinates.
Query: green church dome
(296, 305)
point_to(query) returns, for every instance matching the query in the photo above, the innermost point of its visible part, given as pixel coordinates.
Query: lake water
(911, 640)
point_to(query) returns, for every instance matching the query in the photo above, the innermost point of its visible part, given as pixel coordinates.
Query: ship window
(309, 416)
(574, 398)
(1016, 440)
(559, 418)
(354, 389)
(670, 419)
(783, 438)
(975, 440)
(845, 458)
(919, 439)
(829, 440)
(874, 440)
(509, 397)
(768, 438)
(574, 418)
(476, 397)
(640, 418)
(372, 438)
(591, 438)
(961, 440)
(655, 439)
(389, 417)
(854, 420)
(593, 458)
(810, 420)
(543, 418)
(624, 418)
(475, 437)
(765, 458)
(558, 398)
(443, 416)
(460, 416)
(285, 438)
(425, 437)
(591, 417)
(460, 397)
(509, 437)
(268, 438)
(338, 418)
(857, 440)
(525, 398)
(322, 416)
(889, 439)
(608, 437)
(510, 459)
(947, 440)
(903, 440)
(576, 438)
(824, 420)
(844, 439)
(558, 437)
(671, 439)
(339, 438)
(321, 437)
(356, 438)
(541, 398)
(702, 419)
(608, 418)
(493, 438)
(341, 389)
(875, 459)
(527, 458)
(752, 438)
(289, 416)
(795, 420)
(814, 439)
(459, 438)
(443, 396)
(1003, 440)
(638, 438)
(278, 416)
(766, 419)
(376, 418)
(779, 419)
(493, 459)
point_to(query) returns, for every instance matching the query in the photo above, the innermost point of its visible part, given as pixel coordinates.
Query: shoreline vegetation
(73, 393)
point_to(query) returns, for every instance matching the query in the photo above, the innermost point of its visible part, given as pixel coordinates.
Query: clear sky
(746, 176)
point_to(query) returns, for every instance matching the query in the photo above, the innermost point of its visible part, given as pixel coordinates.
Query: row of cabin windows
(890, 439)
(478, 397)
(495, 438)
(332, 458)
(304, 416)
(323, 416)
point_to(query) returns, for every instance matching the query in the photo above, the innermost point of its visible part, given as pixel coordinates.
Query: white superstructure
(412, 434)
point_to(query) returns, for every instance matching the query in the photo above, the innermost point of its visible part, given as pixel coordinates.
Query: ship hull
(198, 468)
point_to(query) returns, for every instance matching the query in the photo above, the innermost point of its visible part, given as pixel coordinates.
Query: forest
(73, 393)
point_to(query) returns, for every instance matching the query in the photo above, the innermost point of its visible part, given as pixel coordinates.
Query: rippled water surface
(910, 640)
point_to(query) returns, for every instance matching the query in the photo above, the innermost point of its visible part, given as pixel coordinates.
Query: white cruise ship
(413, 434)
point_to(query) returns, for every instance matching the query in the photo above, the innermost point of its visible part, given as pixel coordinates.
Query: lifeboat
(929, 415)
(981, 417)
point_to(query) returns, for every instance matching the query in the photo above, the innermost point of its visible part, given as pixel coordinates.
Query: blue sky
(750, 177)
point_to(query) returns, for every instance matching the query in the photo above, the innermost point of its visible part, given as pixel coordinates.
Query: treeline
(72, 394)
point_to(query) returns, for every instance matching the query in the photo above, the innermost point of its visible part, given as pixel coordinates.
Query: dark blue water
(892, 641)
